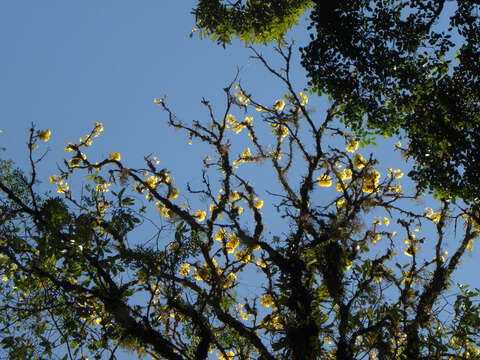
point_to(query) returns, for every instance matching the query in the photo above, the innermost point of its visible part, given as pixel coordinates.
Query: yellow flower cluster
(44, 135)
(115, 156)
(432, 215)
(184, 269)
(359, 162)
(279, 105)
(243, 256)
(352, 145)
(257, 203)
(62, 186)
(237, 127)
(232, 243)
(370, 182)
(412, 247)
(266, 300)
(346, 174)
(242, 98)
(396, 174)
(245, 156)
(324, 180)
(303, 99)
(103, 187)
(164, 211)
(280, 130)
(200, 215)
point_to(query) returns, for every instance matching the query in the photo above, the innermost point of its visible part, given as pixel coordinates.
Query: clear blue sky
(68, 64)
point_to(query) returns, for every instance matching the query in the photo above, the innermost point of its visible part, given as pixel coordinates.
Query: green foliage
(255, 21)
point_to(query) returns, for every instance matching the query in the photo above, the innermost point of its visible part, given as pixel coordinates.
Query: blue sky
(68, 64)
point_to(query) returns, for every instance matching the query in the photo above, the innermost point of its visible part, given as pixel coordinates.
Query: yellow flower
(352, 145)
(339, 187)
(266, 300)
(246, 153)
(358, 161)
(258, 203)
(434, 216)
(98, 129)
(386, 221)
(200, 215)
(184, 269)
(221, 235)
(279, 105)
(232, 243)
(303, 98)
(324, 180)
(44, 135)
(259, 108)
(346, 174)
(470, 245)
(411, 250)
(173, 194)
(261, 263)
(243, 256)
(165, 212)
(157, 101)
(234, 196)
(115, 156)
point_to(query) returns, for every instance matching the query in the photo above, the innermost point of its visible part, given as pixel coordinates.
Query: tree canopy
(403, 67)
(357, 271)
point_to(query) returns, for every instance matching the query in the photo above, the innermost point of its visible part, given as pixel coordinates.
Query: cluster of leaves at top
(79, 277)
(403, 67)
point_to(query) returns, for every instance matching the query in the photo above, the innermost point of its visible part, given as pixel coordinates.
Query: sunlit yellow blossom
(68, 148)
(157, 101)
(397, 174)
(232, 243)
(234, 196)
(303, 99)
(324, 180)
(339, 187)
(173, 193)
(376, 238)
(164, 212)
(340, 202)
(358, 161)
(44, 135)
(257, 203)
(346, 174)
(230, 119)
(279, 105)
(411, 250)
(386, 221)
(261, 263)
(434, 216)
(266, 300)
(259, 108)
(152, 181)
(246, 153)
(115, 156)
(470, 245)
(98, 128)
(200, 215)
(221, 235)
(4, 278)
(184, 269)
(243, 256)
(352, 145)
(249, 119)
